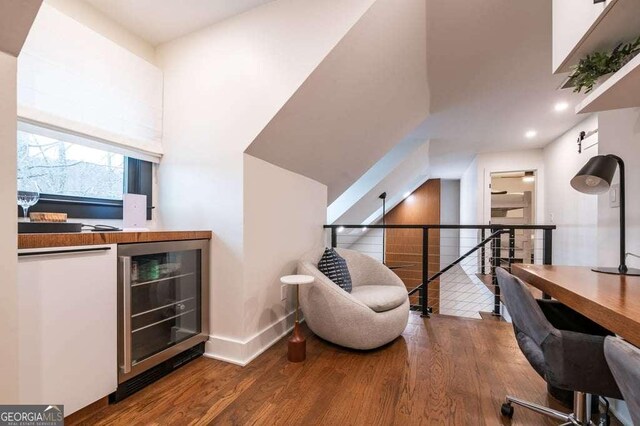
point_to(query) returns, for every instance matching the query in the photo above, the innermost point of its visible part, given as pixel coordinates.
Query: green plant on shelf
(585, 75)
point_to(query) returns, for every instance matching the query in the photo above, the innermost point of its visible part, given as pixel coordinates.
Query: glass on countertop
(28, 196)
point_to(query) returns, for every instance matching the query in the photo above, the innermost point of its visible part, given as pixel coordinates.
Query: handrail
(496, 229)
(458, 260)
(435, 226)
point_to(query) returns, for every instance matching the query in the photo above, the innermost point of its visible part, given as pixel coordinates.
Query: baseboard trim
(242, 352)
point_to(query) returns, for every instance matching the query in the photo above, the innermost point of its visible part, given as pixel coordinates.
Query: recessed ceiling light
(364, 229)
(561, 106)
(531, 134)
(406, 194)
(340, 228)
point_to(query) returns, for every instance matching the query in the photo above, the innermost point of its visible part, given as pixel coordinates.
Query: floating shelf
(618, 22)
(621, 90)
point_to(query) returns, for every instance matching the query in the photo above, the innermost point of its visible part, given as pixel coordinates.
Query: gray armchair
(624, 361)
(373, 314)
(565, 348)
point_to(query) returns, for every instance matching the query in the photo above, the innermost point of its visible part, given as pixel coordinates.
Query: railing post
(547, 252)
(483, 254)
(334, 237)
(495, 245)
(512, 246)
(424, 292)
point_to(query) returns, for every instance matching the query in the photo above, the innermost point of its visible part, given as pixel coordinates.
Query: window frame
(138, 179)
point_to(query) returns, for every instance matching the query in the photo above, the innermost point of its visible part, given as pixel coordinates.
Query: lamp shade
(596, 176)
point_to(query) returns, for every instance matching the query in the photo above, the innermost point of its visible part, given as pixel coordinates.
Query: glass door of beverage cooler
(163, 309)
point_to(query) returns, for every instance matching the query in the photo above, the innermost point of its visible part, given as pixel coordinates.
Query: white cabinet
(67, 325)
(581, 28)
(572, 19)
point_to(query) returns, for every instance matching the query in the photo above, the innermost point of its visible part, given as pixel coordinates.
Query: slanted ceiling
(365, 97)
(16, 18)
(405, 177)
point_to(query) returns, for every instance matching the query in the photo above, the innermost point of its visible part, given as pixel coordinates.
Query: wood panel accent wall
(404, 246)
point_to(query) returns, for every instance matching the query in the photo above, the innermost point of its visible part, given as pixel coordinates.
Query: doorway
(513, 202)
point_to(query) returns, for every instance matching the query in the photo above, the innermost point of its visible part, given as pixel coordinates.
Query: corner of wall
(283, 215)
(93, 18)
(242, 352)
(8, 231)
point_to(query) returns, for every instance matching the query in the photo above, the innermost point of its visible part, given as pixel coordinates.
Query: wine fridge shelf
(173, 277)
(162, 307)
(163, 320)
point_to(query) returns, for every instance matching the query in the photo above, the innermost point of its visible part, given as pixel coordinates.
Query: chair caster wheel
(506, 410)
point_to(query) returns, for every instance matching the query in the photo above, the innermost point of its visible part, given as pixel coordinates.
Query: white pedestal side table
(297, 343)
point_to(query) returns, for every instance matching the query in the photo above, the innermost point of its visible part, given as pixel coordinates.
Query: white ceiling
(489, 72)
(406, 162)
(412, 172)
(488, 69)
(159, 21)
(489, 65)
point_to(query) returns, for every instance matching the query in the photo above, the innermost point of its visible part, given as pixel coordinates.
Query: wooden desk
(613, 301)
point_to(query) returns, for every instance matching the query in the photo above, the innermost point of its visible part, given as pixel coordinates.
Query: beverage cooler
(163, 297)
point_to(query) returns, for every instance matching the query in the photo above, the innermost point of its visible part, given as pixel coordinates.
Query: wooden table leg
(297, 345)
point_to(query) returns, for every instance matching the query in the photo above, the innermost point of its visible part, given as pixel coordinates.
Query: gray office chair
(624, 361)
(565, 348)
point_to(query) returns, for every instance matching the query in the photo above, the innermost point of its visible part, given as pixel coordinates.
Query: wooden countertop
(28, 241)
(612, 301)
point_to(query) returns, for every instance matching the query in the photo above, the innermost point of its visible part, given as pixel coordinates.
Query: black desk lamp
(595, 178)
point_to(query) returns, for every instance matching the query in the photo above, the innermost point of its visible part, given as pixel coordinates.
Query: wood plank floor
(441, 371)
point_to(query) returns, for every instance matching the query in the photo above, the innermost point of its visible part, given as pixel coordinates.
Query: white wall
(469, 206)
(475, 194)
(575, 214)
(222, 86)
(83, 12)
(588, 232)
(368, 242)
(619, 134)
(8, 231)
(377, 78)
(449, 215)
(283, 217)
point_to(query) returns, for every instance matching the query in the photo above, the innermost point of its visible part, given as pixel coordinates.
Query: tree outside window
(64, 168)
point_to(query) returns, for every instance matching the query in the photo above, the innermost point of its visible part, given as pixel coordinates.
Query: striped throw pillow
(335, 268)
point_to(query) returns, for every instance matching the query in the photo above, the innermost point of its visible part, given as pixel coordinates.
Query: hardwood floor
(442, 371)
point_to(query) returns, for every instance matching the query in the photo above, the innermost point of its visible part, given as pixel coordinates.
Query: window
(79, 179)
(64, 168)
